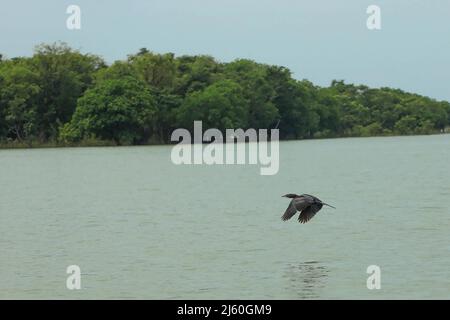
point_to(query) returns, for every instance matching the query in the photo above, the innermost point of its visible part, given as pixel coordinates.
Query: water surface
(140, 227)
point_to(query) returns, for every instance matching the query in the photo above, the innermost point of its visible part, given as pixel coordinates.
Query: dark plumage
(306, 204)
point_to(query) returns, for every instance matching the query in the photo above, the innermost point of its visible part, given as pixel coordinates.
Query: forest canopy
(62, 96)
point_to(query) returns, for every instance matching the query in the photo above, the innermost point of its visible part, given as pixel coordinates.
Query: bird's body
(306, 204)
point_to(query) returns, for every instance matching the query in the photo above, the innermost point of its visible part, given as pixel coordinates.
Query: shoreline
(102, 143)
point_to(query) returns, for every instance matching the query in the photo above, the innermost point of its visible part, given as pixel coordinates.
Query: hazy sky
(318, 40)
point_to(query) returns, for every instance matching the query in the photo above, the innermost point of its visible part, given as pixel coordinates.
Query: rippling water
(140, 227)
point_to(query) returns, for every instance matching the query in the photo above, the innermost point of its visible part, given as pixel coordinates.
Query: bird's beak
(328, 205)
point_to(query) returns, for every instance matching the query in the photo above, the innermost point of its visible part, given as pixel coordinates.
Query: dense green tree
(406, 125)
(3, 127)
(195, 73)
(167, 105)
(118, 70)
(222, 105)
(260, 94)
(19, 92)
(64, 74)
(121, 110)
(157, 70)
(295, 101)
(446, 106)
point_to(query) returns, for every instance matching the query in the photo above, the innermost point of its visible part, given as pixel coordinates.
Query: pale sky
(318, 40)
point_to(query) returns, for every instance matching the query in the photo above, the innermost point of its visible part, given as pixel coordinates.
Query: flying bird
(306, 204)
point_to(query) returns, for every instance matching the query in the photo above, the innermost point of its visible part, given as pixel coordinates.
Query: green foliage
(60, 94)
(366, 112)
(297, 103)
(157, 70)
(222, 105)
(64, 74)
(19, 92)
(119, 110)
(195, 73)
(406, 125)
(117, 70)
(39, 94)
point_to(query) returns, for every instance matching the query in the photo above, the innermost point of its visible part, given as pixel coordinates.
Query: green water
(140, 227)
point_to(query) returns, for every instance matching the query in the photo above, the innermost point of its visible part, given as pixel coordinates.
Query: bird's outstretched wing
(290, 211)
(302, 202)
(308, 213)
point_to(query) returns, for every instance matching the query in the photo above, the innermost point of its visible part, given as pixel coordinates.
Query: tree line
(60, 95)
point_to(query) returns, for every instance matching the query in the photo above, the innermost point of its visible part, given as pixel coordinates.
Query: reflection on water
(306, 279)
